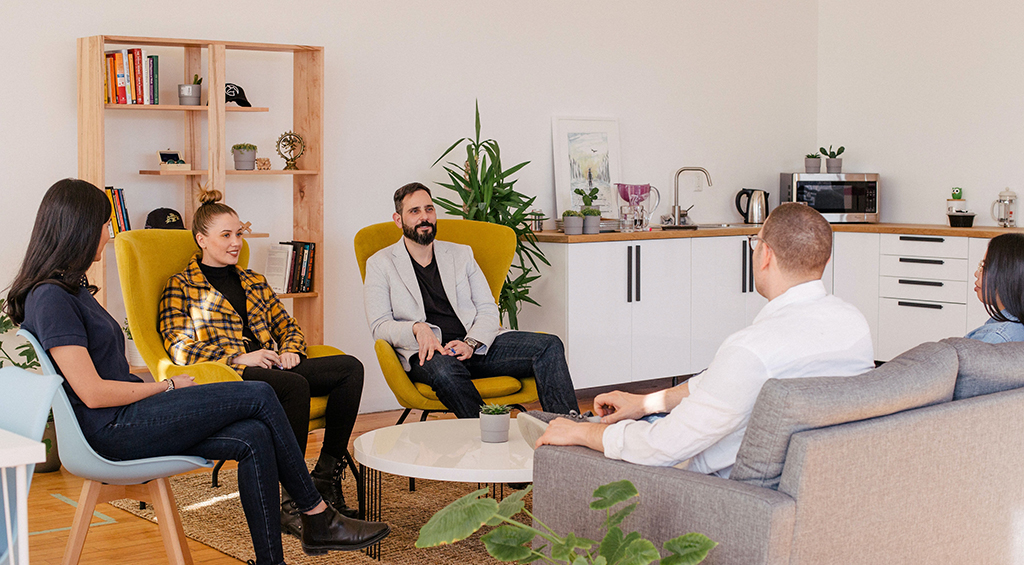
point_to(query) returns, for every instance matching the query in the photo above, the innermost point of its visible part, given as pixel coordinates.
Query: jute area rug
(213, 516)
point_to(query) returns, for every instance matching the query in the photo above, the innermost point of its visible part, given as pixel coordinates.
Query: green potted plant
(833, 164)
(510, 541)
(812, 163)
(131, 350)
(588, 197)
(189, 94)
(245, 156)
(572, 222)
(487, 194)
(591, 220)
(494, 423)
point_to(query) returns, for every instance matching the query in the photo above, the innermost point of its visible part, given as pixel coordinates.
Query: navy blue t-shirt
(56, 317)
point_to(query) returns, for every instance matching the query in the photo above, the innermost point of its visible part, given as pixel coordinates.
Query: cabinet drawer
(924, 245)
(923, 267)
(907, 325)
(923, 289)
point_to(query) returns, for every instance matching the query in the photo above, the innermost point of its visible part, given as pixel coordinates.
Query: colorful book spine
(111, 79)
(129, 77)
(154, 78)
(144, 63)
(140, 97)
(122, 81)
(309, 271)
(113, 212)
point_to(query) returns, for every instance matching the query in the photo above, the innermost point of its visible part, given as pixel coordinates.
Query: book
(111, 79)
(144, 63)
(154, 78)
(309, 270)
(129, 76)
(122, 88)
(293, 279)
(126, 223)
(277, 267)
(305, 268)
(113, 211)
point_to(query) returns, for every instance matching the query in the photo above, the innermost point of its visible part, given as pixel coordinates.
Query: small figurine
(293, 147)
(247, 227)
(234, 93)
(957, 193)
(263, 163)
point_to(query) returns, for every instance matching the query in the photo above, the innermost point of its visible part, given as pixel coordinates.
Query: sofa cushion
(922, 376)
(985, 368)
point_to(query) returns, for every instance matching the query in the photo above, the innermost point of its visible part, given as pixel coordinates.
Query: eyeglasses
(753, 239)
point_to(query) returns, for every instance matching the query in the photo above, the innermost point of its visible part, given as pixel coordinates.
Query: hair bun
(210, 197)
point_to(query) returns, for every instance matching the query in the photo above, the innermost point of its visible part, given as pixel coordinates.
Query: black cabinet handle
(629, 273)
(919, 283)
(638, 273)
(922, 261)
(920, 305)
(922, 238)
(743, 258)
(750, 260)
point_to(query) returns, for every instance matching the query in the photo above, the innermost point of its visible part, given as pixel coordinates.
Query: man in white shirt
(802, 332)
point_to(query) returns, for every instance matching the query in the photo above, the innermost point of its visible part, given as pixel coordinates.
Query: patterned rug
(213, 516)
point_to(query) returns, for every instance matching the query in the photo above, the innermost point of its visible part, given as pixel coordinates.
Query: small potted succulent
(591, 220)
(132, 352)
(588, 196)
(189, 94)
(812, 163)
(833, 164)
(494, 423)
(245, 156)
(572, 222)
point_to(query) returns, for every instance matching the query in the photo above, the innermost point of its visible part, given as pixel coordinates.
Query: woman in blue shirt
(999, 282)
(123, 417)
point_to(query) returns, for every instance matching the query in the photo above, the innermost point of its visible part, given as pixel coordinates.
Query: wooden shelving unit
(307, 121)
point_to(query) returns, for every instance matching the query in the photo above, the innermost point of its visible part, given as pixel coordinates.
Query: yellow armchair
(493, 248)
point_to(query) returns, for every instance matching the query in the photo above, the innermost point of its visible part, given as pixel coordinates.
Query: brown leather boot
(327, 479)
(330, 531)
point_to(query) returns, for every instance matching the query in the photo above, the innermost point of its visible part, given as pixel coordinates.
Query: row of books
(119, 213)
(132, 77)
(290, 266)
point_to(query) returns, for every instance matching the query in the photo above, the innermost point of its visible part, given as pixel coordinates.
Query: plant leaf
(617, 518)
(508, 543)
(688, 549)
(512, 504)
(613, 493)
(458, 520)
(640, 552)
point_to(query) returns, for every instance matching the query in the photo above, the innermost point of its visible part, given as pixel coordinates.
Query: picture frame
(586, 155)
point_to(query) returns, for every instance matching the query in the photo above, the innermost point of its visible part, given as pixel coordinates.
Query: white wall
(729, 85)
(928, 93)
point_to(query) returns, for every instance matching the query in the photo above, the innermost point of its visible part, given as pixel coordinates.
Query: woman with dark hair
(215, 311)
(123, 417)
(999, 282)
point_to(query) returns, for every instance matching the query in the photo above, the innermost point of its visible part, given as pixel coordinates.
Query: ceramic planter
(189, 94)
(134, 357)
(572, 225)
(812, 165)
(494, 427)
(834, 166)
(52, 462)
(244, 160)
(591, 224)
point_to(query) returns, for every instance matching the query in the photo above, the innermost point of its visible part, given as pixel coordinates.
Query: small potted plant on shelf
(833, 164)
(245, 156)
(132, 352)
(812, 163)
(588, 196)
(572, 222)
(494, 423)
(189, 94)
(591, 220)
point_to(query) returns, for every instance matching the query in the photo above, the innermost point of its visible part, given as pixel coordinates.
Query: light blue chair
(24, 405)
(105, 480)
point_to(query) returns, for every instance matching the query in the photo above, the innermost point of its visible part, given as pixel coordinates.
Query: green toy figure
(957, 193)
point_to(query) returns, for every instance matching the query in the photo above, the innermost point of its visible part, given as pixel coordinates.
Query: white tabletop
(446, 450)
(18, 450)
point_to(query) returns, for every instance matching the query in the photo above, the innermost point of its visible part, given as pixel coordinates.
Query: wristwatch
(473, 343)
(170, 385)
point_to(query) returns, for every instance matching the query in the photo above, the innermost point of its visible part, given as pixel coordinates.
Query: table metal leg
(371, 496)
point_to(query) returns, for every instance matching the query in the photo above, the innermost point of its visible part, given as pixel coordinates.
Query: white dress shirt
(804, 332)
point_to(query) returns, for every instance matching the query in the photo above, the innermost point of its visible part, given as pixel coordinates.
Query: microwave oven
(841, 198)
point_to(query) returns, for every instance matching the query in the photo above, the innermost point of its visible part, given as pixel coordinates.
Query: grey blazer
(393, 301)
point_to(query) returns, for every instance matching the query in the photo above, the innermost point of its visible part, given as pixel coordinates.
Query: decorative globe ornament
(290, 147)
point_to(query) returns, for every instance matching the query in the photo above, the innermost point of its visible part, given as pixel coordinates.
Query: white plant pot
(494, 427)
(189, 94)
(134, 357)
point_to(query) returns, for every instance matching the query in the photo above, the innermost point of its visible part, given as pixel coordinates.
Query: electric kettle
(756, 209)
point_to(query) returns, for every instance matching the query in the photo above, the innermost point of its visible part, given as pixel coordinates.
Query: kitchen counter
(552, 236)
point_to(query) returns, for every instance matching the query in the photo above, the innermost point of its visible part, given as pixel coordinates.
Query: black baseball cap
(234, 93)
(164, 219)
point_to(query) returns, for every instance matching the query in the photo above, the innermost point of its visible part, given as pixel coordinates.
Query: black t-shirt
(227, 282)
(56, 317)
(435, 302)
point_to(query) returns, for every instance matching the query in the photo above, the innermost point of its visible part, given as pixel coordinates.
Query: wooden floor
(119, 537)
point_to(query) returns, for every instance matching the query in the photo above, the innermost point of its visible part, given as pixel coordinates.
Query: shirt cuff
(613, 439)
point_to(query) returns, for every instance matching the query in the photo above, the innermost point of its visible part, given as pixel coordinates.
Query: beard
(413, 233)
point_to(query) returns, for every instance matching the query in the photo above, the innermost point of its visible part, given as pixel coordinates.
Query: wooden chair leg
(91, 491)
(171, 530)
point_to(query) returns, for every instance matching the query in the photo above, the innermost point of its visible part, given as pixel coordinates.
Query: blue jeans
(513, 354)
(240, 421)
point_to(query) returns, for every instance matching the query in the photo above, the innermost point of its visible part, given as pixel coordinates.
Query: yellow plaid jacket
(198, 323)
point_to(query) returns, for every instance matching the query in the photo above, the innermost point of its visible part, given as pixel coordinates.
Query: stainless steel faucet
(677, 212)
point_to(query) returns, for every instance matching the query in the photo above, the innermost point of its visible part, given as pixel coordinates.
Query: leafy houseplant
(833, 164)
(488, 195)
(812, 163)
(134, 357)
(494, 423)
(588, 196)
(572, 222)
(245, 156)
(591, 220)
(510, 540)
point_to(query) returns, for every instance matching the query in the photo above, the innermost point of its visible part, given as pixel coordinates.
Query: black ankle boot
(291, 518)
(330, 531)
(327, 480)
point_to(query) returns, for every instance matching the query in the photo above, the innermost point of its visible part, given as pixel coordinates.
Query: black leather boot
(330, 531)
(327, 480)
(291, 518)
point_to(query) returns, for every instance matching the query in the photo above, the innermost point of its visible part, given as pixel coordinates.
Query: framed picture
(586, 156)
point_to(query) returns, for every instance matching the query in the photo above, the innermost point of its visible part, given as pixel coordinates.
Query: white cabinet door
(599, 317)
(661, 310)
(718, 303)
(855, 275)
(976, 314)
(905, 324)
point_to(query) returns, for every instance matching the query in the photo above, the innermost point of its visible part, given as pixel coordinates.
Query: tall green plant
(487, 195)
(25, 350)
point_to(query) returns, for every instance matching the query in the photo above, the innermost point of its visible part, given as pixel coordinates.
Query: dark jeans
(513, 354)
(339, 377)
(241, 421)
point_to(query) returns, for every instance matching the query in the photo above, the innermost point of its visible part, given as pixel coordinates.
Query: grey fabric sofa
(918, 461)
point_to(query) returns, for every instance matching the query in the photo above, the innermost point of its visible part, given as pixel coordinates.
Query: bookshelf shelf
(256, 235)
(204, 172)
(299, 295)
(176, 107)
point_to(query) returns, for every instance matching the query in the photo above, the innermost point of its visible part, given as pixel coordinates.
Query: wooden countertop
(551, 236)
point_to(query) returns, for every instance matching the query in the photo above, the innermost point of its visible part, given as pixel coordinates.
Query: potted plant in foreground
(591, 220)
(572, 222)
(833, 164)
(510, 541)
(245, 156)
(494, 423)
(812, 163)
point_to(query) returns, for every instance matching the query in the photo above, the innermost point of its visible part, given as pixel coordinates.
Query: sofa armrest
(751, 524)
